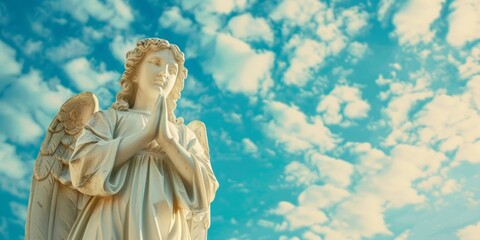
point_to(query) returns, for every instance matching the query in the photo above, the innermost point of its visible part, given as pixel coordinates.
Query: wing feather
(53, 205)
(199, 222)
(200, 131)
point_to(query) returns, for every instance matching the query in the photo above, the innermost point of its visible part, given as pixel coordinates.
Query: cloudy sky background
(335, 119)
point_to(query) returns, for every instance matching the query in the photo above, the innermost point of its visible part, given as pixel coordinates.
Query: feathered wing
(199, 222)
(54, 205)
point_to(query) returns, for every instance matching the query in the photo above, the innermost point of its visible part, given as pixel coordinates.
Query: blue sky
(326, 119)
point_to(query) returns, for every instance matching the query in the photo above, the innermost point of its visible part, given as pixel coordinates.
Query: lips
(160, 81)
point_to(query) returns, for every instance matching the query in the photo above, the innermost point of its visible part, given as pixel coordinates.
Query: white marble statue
(134, 171)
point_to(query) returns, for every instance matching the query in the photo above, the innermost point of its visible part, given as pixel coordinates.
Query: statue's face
(157, 73)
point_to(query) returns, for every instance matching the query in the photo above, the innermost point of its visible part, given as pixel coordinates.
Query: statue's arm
(129, 146)
(181, 159)
(98, 154)
(194, 148)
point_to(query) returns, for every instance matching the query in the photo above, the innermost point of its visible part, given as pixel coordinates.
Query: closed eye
(156, 61)
(172, 69)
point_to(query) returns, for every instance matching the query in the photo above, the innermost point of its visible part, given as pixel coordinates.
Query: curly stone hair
(126, 96)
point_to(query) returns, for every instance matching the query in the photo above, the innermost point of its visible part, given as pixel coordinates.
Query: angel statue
(134, 171)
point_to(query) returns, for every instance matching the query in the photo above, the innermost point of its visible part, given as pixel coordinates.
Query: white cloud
(233, 117)
(85, 77)
(10, 66)
(189, 109)
(296, 12)
(360, 216)
(299, 174)
(121, 45)
(413, 22)
(361, 213)
(295, 130)
(69, 49)
(450, 186)
(397, 112)
(332, 171)
(173, 20)
(19, 210)
(194, 87)
(357, 49)
(304, 217)
(354, 107)
(265, 223)
(309, 56)
(116, 12)
(406, 163)
(333, 33)
(371, 160)
(89, 33)
(10, 163)
(384, 10)
(311, 236)
(19, 127)
(403, 96)
(210, 14)
(40, 29)
(471, 66)
(404, 235)
(464, 22)
(226, 6)
(469, 152)
(29, 105)
(300, 216)
(249, 28)
(32, 47)
(249, 146)
(446, 118)
(14, 171)
(438, 186)
(355, 20)
(473, 91)
(37, 93)
(430, 183)
(337, 29)
(283, 207)
(236, 67)
(322, 197)
(470, 232)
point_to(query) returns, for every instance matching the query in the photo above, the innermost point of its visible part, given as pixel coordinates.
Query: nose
(163, 70)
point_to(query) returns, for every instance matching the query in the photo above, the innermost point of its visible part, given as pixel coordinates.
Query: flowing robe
(145, 198)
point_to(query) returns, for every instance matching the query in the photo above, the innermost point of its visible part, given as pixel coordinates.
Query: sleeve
(91, 165)
(196, 198)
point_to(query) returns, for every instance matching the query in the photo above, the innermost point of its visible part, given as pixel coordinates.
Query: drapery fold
(144, 198)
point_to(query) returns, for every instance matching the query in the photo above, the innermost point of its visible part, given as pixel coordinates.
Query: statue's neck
(144, 103)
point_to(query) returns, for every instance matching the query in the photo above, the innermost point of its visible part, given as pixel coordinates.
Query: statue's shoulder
(108, 116)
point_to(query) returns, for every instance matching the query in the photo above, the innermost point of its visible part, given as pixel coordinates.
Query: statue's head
(153, 51)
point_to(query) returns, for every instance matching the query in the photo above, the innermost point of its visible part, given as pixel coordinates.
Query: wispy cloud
(10, 66)
(116, 12)
(250, 29)
(249, 73)
(342, 104)
(296, 131)
(87, 77)
(172, 19)
(69, 49)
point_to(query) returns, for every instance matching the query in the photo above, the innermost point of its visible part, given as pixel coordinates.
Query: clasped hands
(157, 127)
